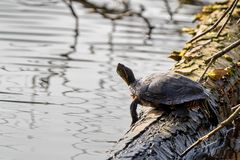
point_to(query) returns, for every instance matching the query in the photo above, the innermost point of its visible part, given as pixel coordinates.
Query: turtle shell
(168, 89)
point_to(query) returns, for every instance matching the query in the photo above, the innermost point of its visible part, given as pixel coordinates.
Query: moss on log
(158, 135)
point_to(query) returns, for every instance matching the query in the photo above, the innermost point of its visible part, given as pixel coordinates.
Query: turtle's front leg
(133, 110)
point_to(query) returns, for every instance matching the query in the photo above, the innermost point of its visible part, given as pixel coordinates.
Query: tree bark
(160, 135)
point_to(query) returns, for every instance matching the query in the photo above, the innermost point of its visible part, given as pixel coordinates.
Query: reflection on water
(60, 97)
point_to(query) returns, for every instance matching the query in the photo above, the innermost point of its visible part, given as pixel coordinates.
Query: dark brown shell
(168, 89)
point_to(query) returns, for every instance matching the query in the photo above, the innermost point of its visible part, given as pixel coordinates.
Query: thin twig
(213, 58)
(238, 21)
(209, 64)
(234, 108)
(225, 50)
(216, 23)
(228, 18)
(220, 126)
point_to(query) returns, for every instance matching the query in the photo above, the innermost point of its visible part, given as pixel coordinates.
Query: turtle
(167, 91)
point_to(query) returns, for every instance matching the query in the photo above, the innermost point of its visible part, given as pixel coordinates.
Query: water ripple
(60, 97)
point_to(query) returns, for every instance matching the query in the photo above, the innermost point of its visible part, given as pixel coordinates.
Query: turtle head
(126, 73)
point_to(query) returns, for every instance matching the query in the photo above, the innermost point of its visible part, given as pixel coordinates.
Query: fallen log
(160, 135)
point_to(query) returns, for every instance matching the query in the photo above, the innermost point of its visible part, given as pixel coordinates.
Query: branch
(220, 126)
(213, 58)
(229, 10)
(229, 16)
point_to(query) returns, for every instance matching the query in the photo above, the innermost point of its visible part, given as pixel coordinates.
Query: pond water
(60, 97)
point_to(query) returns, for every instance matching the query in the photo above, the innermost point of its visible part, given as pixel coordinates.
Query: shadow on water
(59, 93)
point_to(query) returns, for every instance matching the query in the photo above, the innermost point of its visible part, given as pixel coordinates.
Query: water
(60, 97)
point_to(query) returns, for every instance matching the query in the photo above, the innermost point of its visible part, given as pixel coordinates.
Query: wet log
(160, 135)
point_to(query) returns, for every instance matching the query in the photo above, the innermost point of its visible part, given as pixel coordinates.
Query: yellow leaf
(175, 55)
(238, 64)
(207, 9)
(183, 52)
(214, 7)
(216, 74)
(189, 30)
(228, 58)
(199, 16)
(223, 2)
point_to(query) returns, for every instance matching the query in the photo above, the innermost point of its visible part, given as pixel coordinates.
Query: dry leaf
(228, 58)
(175, 55)
(189, 30)
(238, 64)
(216, 74)
(186, 71)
